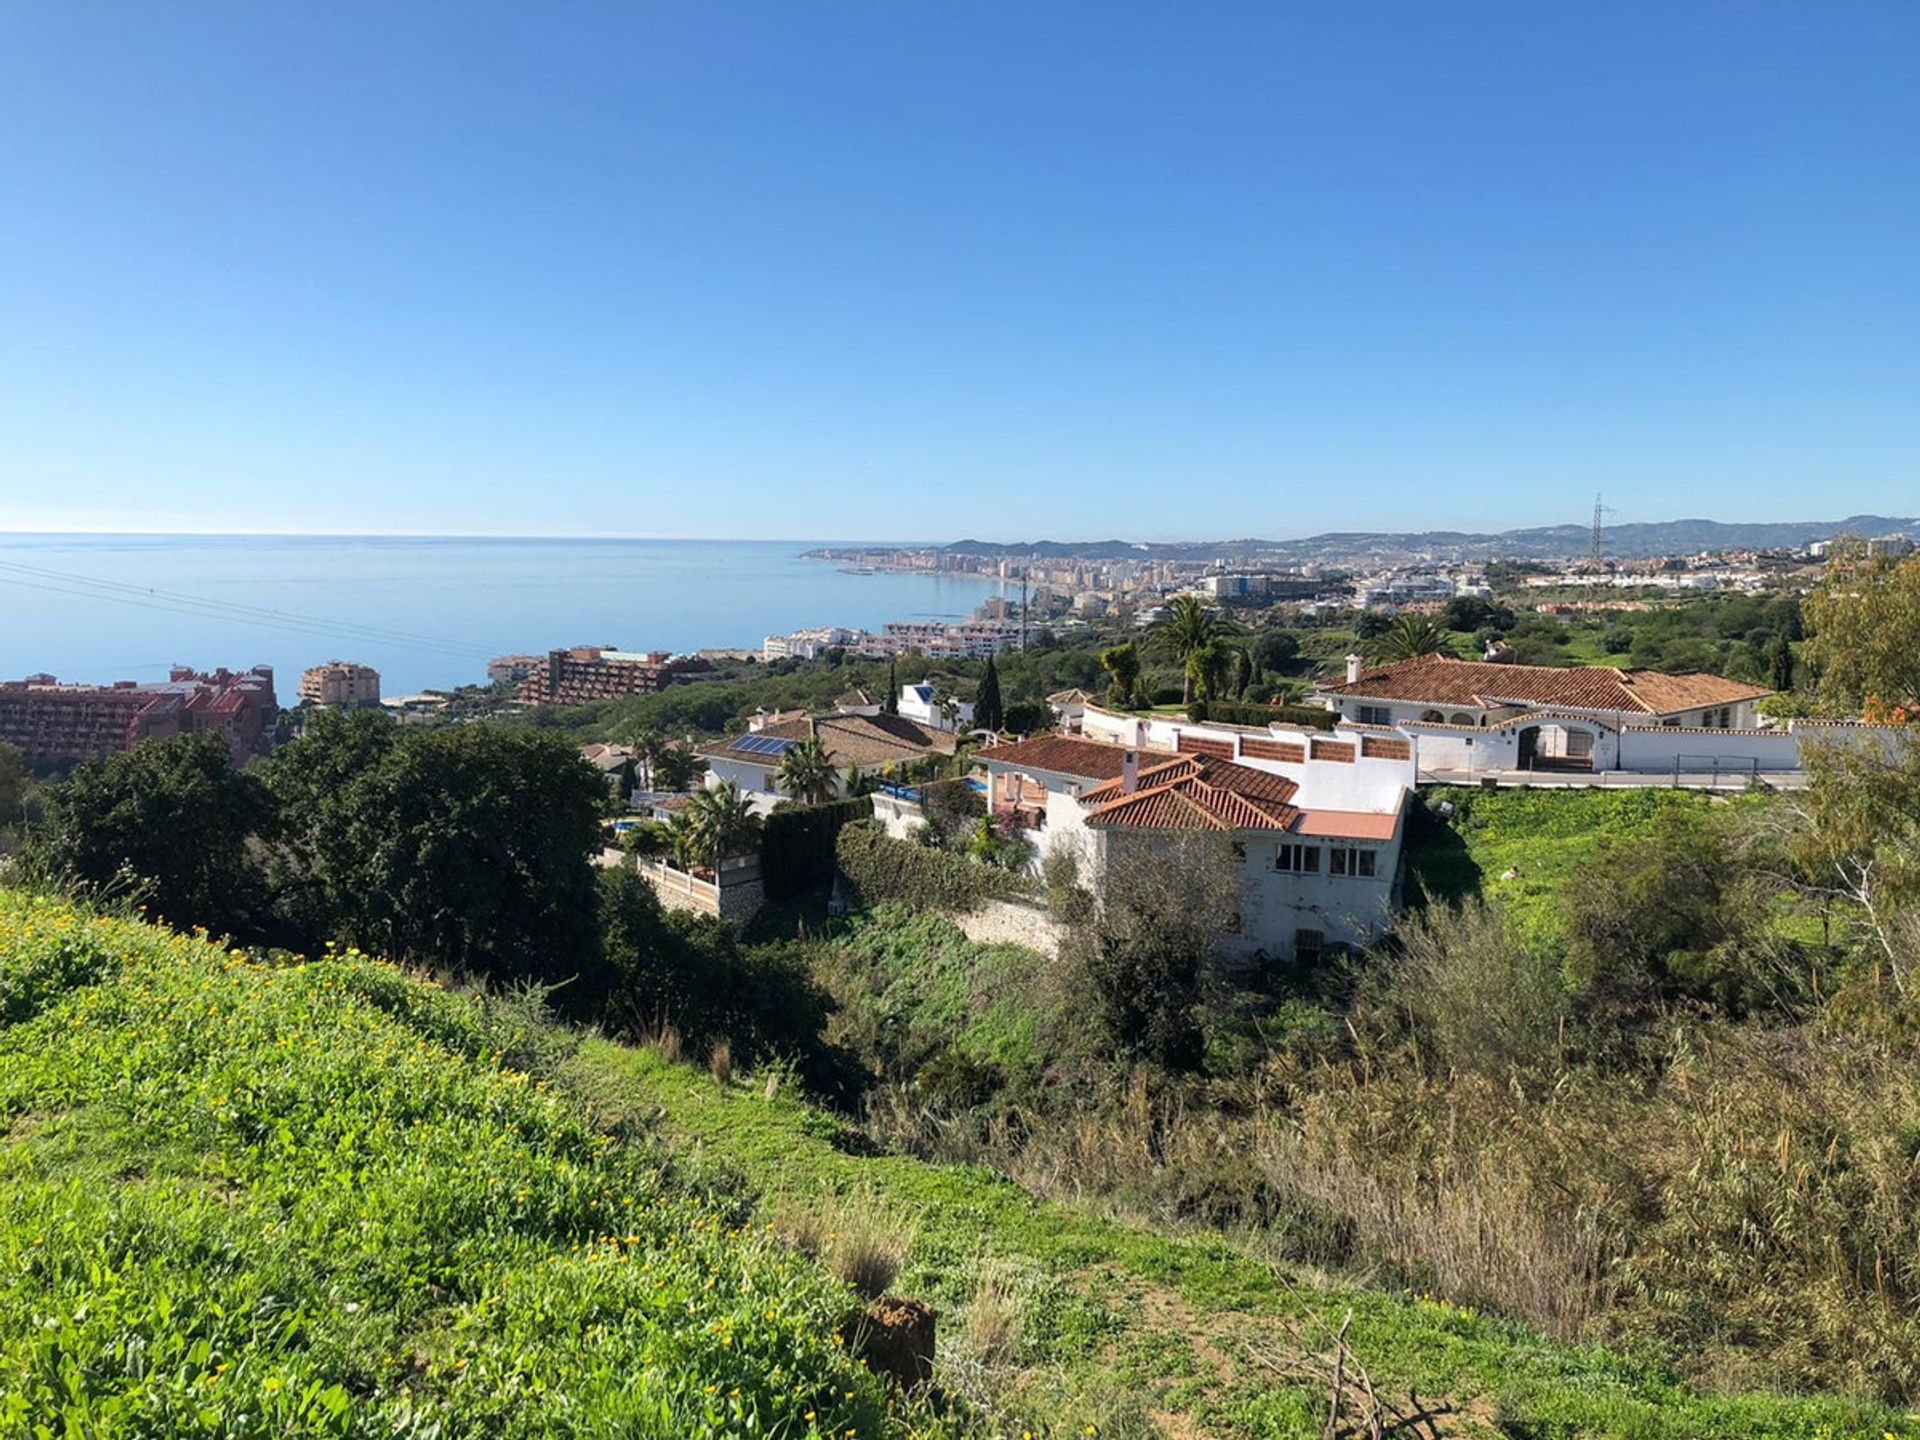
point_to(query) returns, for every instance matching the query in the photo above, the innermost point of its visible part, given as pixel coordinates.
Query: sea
(427, 613)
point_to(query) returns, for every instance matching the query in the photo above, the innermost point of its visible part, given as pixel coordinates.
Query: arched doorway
(1556, 745)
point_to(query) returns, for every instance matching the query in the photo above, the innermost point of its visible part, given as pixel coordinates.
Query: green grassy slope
(242, 1201)
(1137, 1332)
(321, 1199)
(1546, 838)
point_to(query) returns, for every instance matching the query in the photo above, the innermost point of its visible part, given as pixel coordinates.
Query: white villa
(1480, 716)
(861, 740)
(920, 703)
(1315, 817)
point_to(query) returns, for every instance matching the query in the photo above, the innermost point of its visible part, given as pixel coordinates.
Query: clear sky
(907, 269)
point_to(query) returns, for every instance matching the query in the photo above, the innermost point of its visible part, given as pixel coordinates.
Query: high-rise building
(341, 684)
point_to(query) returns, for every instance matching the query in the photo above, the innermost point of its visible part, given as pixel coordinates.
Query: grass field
(1522, 847)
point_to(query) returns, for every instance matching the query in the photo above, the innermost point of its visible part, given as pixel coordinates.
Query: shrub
(879, 868)
(1222, 713)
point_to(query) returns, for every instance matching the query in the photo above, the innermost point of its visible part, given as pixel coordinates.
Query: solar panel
(761, 745)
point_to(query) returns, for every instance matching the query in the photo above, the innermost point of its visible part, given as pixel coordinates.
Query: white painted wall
(1368, 783)
(1275, 904)
(1659, 748)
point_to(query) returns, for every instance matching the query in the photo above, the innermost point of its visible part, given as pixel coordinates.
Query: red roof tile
(1440, 680)
(1066, 755)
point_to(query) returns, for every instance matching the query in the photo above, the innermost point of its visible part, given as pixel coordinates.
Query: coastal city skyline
(908, 273)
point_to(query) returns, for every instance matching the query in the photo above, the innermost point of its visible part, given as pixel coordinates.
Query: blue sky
(922, 270)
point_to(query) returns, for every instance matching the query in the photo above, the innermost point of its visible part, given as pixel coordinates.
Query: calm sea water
(424, 612)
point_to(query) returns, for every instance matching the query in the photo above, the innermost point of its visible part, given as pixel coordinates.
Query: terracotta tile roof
(1348, 824)
(1223, 774)
(1067, 755)
(1197, 792)
(862, 740)
(1438, 680)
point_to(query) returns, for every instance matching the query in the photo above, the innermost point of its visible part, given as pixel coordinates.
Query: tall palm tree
(806, 773)
(720, 824)
(1191, 625)
(1411, 636)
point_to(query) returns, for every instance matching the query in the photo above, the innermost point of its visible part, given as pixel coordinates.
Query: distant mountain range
(1621, 542)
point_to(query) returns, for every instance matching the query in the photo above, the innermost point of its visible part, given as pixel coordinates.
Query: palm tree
(1411, 636)
(720, 824)
(806, 773)
(675, 767)
(1191, 625)
(647, 746)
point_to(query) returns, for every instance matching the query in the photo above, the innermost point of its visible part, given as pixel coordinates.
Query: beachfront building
(807, 644)
(596, 672)
(55, 725)
(512, 669)
(861, 743)
(1473, 716)
(340, 685)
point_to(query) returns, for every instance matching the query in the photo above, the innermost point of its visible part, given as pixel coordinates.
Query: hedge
(878, 868)
(797, 845)
(1226, 714)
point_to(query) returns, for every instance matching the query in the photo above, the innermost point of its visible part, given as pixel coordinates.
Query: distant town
(1048, 596)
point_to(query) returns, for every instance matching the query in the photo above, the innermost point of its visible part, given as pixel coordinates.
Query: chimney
(758, 722)
(1130, 772)
(1353, 668)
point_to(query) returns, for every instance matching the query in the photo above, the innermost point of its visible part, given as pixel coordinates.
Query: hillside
(317, 1200)
(326, 1199)
(1631, 541)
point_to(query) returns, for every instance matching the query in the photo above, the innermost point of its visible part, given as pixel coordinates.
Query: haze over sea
(441, 606)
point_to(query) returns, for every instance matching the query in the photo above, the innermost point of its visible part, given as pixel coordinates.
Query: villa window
(1374, 714)
(1353, 862)
(1297, 859)
(1308, 945)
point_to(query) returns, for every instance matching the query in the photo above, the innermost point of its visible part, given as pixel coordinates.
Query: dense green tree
(1470, 613)
(1372, 624)
(806, 773)
(1190, 627)
(891, 705)
(988, 712)
(1122, 664)
(171, 823)
(468, 847)
(1276, 649)
(1026, 717)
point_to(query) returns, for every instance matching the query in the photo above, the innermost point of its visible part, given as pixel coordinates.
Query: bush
(879, 868)
(1222, 713)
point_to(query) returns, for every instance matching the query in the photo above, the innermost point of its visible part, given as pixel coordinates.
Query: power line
(261, 613)
(266, 619)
